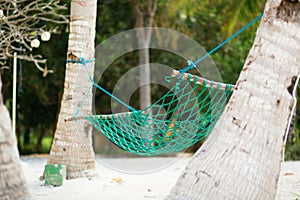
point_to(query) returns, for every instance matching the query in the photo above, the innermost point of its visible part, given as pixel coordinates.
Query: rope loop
(189, 77)
(85, 61)
(196, 79)
(191, 65)
(80, 60)
(204, 82)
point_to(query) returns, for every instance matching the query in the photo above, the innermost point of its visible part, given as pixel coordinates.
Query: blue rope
(83, 61)
(83, 101)
(192, 64)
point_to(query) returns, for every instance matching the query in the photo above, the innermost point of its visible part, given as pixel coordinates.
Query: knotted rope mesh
(183, 116)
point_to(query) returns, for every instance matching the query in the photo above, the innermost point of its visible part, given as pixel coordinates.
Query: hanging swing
(183, 116)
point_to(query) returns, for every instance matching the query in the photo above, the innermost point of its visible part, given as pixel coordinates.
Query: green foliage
(39, 98)
(240, 12)
(208, 22)
(292, 150)
(33, 145)
(113, 17)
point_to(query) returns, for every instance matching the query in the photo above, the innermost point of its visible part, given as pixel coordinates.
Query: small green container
(55, 174)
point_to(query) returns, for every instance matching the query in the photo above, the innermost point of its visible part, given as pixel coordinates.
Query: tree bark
(72, 144)
(12, 180)
(241, 159)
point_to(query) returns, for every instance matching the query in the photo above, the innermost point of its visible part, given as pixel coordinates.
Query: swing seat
(183, 116)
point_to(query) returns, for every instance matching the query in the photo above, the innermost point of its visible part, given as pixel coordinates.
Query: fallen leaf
(118, 180)
(289, 174)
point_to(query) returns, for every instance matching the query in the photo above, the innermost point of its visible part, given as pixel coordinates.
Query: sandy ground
(289, 182)
(134, 178)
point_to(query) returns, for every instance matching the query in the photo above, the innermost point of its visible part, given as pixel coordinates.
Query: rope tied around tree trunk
(184, 115)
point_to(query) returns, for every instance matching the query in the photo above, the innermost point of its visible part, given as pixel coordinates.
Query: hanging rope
(184, 115)
(83, 62)
(192, 64)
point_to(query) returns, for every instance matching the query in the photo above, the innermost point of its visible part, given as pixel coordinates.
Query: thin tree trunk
(40, 136)
(145, 89)
(12, 180)
(72, 144)
(242, 157)
(144, 19)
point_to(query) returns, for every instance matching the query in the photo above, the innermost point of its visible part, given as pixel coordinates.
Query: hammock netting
(183, 116)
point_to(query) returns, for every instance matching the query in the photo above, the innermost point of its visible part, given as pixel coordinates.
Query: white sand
(289, 182)
(111, 184)
(153, 179)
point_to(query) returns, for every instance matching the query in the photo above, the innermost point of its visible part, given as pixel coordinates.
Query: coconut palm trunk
(241, 159)
(72, 144)
(12, 180)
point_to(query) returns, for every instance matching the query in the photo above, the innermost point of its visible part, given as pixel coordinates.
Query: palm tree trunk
(72, 144)
(12, 180)
(242, 157)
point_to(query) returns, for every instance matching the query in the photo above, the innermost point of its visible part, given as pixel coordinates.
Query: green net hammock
(184, 115)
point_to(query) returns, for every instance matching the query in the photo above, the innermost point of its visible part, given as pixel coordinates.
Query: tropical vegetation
(207, 22)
